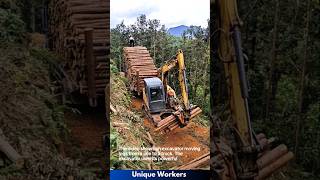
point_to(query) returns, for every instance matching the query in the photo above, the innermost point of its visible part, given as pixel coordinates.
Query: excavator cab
(154, 95)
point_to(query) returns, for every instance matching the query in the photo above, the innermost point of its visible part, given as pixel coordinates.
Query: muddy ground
(193, 135)
(86, 130)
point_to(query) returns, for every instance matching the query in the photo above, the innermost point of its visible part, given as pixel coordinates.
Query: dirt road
(193, 135)
(86, 131)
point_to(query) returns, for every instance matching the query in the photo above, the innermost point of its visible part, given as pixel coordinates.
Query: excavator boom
(240, 145)
(178, 61)
(183, 81)
(230, 52)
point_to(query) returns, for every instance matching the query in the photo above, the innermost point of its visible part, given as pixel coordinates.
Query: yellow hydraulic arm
(231, 55)
(247, 152)
(230, 52)
(178, 60)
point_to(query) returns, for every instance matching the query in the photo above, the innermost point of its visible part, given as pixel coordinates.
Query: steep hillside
(126, 125)
(32, 122)
(130, 128)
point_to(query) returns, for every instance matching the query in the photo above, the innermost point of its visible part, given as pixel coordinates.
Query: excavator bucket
(173, 121)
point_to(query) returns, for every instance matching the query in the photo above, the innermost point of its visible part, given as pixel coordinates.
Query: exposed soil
(193, 135)
(186, 137)
(87, 129)
(136, 103)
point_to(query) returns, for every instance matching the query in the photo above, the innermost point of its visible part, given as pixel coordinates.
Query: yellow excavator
(237, 152)
(160, 102)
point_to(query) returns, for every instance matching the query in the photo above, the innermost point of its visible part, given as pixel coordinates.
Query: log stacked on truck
(138, 65)
(79, 32)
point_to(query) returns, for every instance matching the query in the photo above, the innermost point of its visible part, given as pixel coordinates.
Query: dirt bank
(193, 135)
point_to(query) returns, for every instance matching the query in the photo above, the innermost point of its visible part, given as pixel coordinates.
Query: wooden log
(277, 164)
(118, 124)
(204, 159)
(113, 109)
(68, 39)
(88, 10)
(260, 136)
(167, 122)
(11, 153)
(90, 68)
(176, 125)
(271, 156)
(150, 139)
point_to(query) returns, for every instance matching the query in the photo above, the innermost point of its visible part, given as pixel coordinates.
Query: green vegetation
(127, 127)
(162, 46)
(11, 27)
(31, 118)
(281, 41)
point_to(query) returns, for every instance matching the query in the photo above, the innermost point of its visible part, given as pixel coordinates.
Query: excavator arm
(178, 61)
(230, 52)
(246, 151)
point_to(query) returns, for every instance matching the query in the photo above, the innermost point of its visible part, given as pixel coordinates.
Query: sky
(171, 13)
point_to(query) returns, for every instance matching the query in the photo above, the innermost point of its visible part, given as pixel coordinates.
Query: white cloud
(170, 12)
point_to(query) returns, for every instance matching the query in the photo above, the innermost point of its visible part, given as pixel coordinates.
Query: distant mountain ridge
(177, 31)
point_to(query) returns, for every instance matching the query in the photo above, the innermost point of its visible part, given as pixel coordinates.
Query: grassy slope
(30, 117)
(126, 125)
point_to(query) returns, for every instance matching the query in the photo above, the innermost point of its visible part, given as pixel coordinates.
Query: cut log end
(11, 153)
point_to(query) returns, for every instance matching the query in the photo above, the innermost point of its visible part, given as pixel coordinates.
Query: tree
(162, 46)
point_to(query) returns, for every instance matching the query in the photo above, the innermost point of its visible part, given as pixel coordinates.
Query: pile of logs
(170, 123)
(138, 65)
(79, 32)
(270, 160)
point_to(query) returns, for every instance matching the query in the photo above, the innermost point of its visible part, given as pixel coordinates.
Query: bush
(12, 28)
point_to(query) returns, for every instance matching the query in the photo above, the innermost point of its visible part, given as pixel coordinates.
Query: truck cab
(154, 95)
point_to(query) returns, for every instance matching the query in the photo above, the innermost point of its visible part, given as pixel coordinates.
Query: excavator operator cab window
(156, 93)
